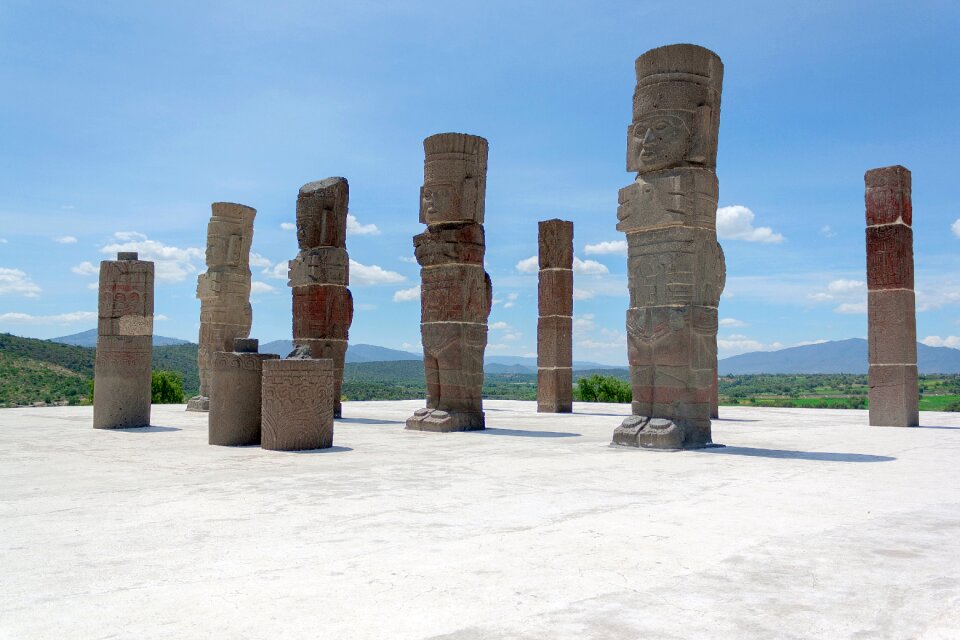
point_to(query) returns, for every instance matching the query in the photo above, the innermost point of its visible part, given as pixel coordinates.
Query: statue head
(454, 178)
(322, 213)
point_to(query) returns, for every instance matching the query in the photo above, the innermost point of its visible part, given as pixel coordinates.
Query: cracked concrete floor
(809, 524)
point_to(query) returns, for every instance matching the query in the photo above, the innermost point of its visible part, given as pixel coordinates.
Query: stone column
(456, 292)
(122, 377)
(676, 269)
(555, 324)
(319, 275)
(297, 404)
(236, 394)
(224, 290)
(891, 319)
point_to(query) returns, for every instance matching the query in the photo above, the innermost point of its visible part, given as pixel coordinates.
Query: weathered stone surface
(224, 290)
(236, 395)
(894, 399)
(676, 270)
(322, 213)
(555, 293)
(888, 196)
(451, 243)
(297, 413)
(455, 293)
(124, 343)
(453, 365)
(555, 242)
(555, 390)
(554, 341)
(891, 306)
(322, 303)
(454, 179)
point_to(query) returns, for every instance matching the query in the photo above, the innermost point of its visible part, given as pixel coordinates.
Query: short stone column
(297, 413)
(236, 394)
(555, 324)
(320, 274)
(122, 377)
(456, 292)
(891, 315)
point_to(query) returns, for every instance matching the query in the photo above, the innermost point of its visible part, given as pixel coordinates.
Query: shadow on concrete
(368, 421)
(523, 433)
(333, 449)
(731, 420)
(150, 429)
(590, 413)
(819, 456)
(932, 427)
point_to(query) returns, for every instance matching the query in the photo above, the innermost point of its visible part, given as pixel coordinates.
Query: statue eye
(661, 125)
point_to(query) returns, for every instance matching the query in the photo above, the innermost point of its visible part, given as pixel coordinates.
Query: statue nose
(649, 137)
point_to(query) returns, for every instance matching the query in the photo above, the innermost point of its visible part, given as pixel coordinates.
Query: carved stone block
(322, 311)
(893, 312)
(335, 350)
(236, 395)
(555, 293)
(297, 413)
(459, 243)
(453, 365)
(455, 177)
(555, 244)
(322, 213)
(122, 388)
(893, 395)
(675, 265)
(554, 341)
(322, 265)
(455, 293)
(889, 257)
(675, 197)
(555, 390)
(888, 196)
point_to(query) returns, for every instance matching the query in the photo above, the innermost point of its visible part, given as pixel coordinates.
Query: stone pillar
(224, 290)
(456, 292)
(122, 377)
(297, 404)
(676, 268)
(555, 324)
(891, 319)
(236, 394)
(319, 275)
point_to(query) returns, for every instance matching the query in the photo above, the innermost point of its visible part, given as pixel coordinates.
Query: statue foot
(654, 433)
(198, 403)
(445, 421)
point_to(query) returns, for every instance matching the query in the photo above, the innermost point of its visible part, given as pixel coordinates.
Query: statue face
(440, 201)
(661, 141)
(216, 250)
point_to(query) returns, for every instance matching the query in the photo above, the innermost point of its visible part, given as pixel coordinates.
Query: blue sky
(121, 122)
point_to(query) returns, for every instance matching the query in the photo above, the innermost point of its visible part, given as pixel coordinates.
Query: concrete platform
(809, 524)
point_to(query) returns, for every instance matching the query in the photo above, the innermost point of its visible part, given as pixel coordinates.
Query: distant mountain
(839, 356)
(89, 339)
(496, 367)
(531, 363)
(355, 352)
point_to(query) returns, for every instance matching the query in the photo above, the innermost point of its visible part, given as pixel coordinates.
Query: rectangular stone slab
(555, 292)
(892, 314)
(555, 244)
(555, 341)
(894, 399)
(890, 257)
(297, 413)
(555, 390)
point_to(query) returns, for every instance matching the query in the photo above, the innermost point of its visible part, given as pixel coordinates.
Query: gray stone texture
(297, 404)
(224, 290)
(555, 323)
(122, 377)
(676, 269)
(236, 394)
(320, 275)
(456, 292)
(891, 305)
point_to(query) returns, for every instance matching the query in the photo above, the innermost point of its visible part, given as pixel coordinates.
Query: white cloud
(65, 239)
(842, 287)
(86, 268)
(582, 294)
(955, 227)
(499, 326)
(172, 264)
(804, 343)
(409, 345)
(288, 226)
(160, 317)
(512, 337)
(511, 300)
(737, 343)
(93, 286)
(408, 259)
(278, 271)
(827, 232)
(936, 341)
(3, 241)
(17, 281)
(606, 248)
(732, 322)
(407, 295)
(261, 287)
(258, 261)
(851, 294)
(62, 318)
(588, 267)
(736, 223)
(528, 265)
(354, 227)
(851, 308)
(361, 275)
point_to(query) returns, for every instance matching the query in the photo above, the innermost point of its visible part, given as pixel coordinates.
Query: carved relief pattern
(297, 411)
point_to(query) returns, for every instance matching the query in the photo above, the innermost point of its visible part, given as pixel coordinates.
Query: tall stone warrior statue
(456, 292)
(224, 290)
(124, 343)
(676, 269)
(319, 275)
(891, 314)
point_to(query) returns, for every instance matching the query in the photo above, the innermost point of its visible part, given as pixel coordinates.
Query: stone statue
(555, 324)
(319, 275)
(676, 268)
(224, 290)
(456, 292)
(122, 377)
(891, 306)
